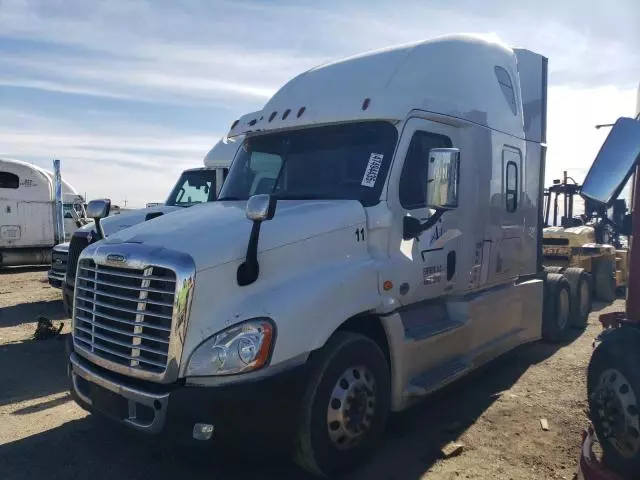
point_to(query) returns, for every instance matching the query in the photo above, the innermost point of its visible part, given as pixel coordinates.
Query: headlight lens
(238, 349)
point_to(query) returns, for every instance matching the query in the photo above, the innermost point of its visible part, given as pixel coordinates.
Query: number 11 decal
(359, 234)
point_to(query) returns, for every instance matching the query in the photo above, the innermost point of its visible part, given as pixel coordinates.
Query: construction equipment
(593, 240)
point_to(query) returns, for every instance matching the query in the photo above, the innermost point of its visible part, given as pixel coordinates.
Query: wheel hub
(351, 407)
(617, 411)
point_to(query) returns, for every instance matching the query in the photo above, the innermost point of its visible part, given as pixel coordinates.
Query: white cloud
(132, 163)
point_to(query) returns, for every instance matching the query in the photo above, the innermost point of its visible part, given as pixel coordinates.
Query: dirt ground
(495, 413)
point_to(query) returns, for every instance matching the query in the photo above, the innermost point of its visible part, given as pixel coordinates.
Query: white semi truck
(29, 223)
(195, 185)
(378, 237)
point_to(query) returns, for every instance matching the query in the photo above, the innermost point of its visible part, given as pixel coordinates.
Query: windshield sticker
(373, 168)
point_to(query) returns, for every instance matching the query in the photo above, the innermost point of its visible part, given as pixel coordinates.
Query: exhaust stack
(58, 209)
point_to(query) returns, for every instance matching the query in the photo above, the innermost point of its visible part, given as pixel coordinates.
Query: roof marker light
(301, 111)
(272, 116)
(365, 104)
(286, 113)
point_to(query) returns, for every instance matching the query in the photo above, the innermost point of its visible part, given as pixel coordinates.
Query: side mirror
(444, 174)
(614, 163)
(98, 209)
(260, 208)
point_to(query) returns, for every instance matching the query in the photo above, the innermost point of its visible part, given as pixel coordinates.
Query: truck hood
(218, 232)
(116, 222)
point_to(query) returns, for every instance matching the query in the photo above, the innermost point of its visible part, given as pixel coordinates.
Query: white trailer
(28, 228)
(378, 237)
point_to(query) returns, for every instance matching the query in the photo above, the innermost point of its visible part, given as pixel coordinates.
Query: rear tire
(580, 296)
(557, 308)
(345, 407)
(613, 387)
(604, 279)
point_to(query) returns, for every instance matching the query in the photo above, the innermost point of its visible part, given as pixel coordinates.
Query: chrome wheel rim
(351, 407)
(616, 408)
(563, 309)
(584, 299)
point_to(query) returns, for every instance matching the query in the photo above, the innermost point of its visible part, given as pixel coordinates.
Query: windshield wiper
(229, 199)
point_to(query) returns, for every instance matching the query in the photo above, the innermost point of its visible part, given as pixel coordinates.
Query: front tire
(613, 387)
(345, 406)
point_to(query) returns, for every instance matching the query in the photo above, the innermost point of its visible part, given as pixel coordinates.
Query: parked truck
(195, 185)
(29, 223)
(379, 236)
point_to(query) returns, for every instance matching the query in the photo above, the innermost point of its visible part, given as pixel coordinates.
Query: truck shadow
(32, 369)
(28, 312)
(92, 447)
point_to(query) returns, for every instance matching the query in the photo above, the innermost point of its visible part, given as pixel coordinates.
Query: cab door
(427, 262)
(425, 268)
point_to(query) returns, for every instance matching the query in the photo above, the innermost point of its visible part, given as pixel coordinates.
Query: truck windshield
(347, 161)
(195, 186)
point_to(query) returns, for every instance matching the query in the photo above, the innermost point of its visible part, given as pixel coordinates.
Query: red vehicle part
(589, 467)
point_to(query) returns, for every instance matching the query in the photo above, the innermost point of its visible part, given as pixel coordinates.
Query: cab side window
(413, 179)
(9, 180)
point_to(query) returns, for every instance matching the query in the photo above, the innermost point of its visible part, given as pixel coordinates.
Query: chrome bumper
(135, 398)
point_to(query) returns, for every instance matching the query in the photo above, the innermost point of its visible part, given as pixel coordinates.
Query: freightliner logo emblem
(116, 258)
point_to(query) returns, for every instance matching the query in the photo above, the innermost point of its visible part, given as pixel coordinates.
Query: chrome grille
(124, 315)
(58, 264)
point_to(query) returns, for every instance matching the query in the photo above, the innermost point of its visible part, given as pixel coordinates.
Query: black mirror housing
(411, 228)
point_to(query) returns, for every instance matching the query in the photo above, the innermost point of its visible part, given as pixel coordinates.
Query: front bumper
(261, 413)
(56, 279)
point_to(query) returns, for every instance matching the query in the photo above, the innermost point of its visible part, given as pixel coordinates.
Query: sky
(128, 93)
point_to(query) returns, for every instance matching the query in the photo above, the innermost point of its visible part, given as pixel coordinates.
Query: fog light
(202, 431)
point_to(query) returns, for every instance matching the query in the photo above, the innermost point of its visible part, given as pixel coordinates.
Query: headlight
(238, 349)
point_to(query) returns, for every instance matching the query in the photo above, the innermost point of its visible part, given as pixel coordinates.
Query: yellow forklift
(592, 240)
